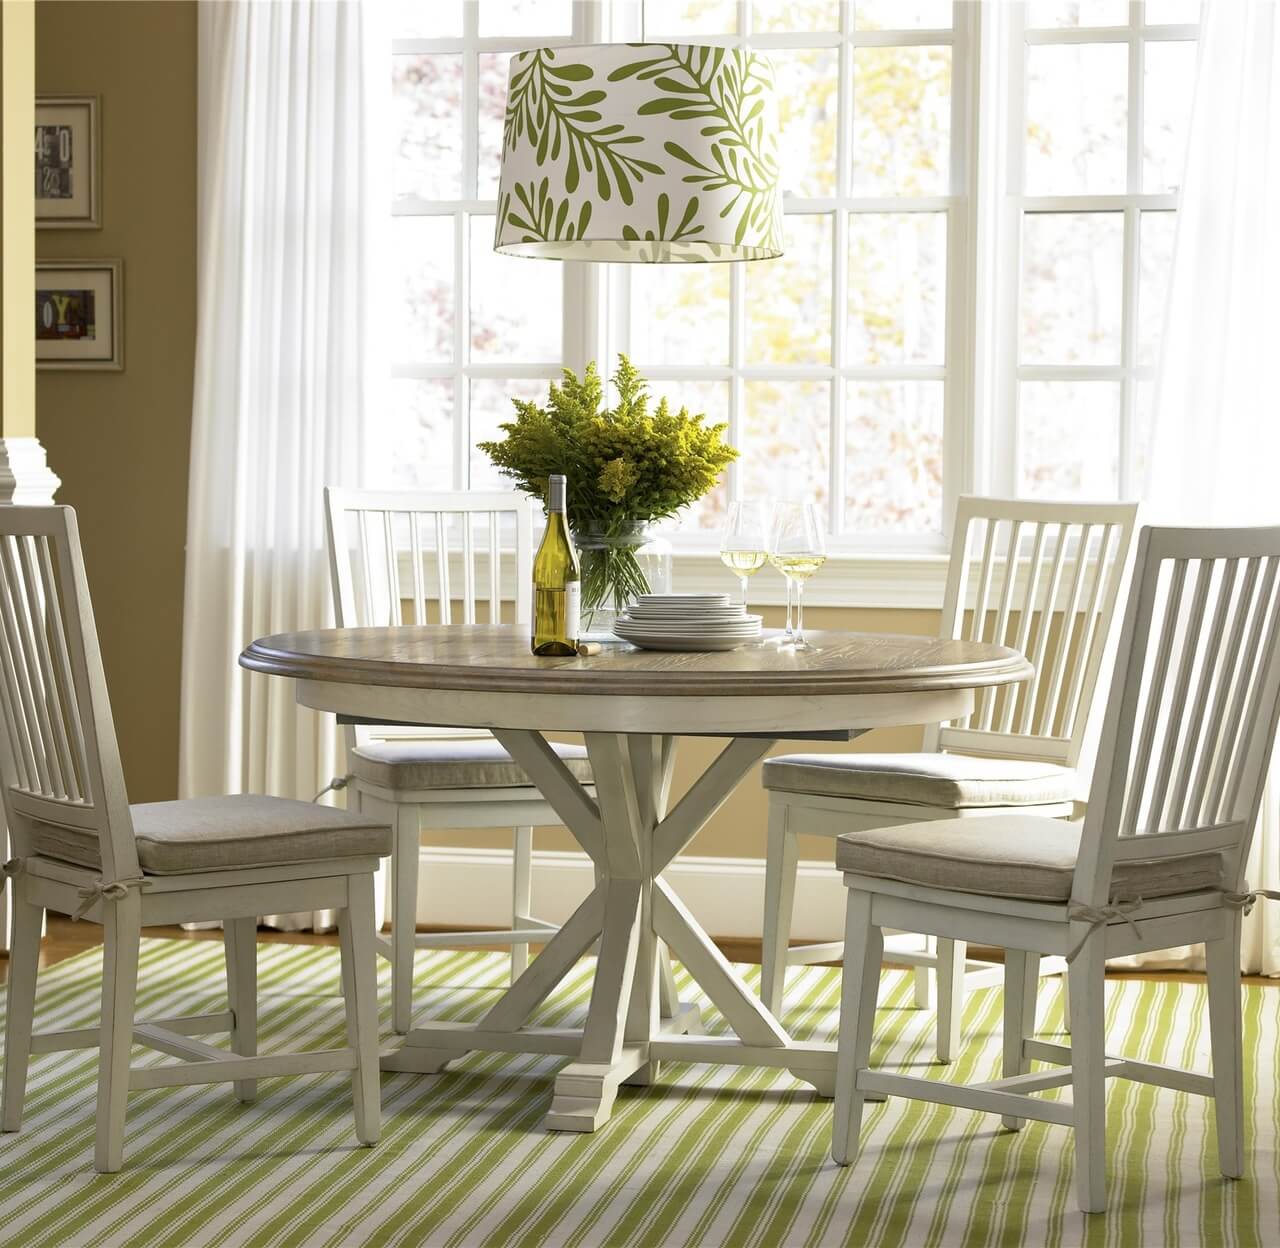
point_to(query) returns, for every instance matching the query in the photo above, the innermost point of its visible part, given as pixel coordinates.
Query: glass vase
(617, 566)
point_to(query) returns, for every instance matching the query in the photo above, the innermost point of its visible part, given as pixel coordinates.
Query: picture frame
(80, 315)
(68, 173)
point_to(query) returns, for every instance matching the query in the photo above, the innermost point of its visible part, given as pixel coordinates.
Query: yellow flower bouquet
(626, 466)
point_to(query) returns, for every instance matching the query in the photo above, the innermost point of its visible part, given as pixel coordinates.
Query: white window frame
(984, 206)
(1003, 442)
(579, 287)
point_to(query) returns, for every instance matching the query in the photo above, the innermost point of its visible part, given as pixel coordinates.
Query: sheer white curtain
(1215, 455)
(289, 206)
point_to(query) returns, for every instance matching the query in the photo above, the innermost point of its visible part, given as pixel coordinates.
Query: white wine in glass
(745, 547)
(798, 548)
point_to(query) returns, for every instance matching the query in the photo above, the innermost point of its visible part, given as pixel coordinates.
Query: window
(830, 364)
(1104, 88)
(474, 329)
(847, 369)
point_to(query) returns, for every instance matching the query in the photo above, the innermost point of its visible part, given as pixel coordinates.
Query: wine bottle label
(572, 610)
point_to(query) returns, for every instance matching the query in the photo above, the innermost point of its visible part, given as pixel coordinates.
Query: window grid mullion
(461, 348)
(839, 396)
(1132, 252)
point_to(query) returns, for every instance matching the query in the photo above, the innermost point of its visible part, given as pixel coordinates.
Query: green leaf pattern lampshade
(640, 152)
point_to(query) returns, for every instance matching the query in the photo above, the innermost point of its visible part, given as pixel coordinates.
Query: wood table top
(484, 658)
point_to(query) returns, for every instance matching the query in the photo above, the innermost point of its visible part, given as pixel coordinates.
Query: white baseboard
(472, 888)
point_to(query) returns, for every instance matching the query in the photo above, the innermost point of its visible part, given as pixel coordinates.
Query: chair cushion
(451, 764)
(946, 781)
(223, 833)
(1024, 856)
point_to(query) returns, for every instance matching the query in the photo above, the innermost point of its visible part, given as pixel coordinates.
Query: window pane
(424, 258)
(413, 447)
(525, 17)
(711, 398)
(1172, 12)
(1140, 441)
(897, 287)
(800, 15)
(440, 19)
(808, 105)
(1166, 112)
(902, 14)
(680, 313)
(492, 85)
(1068, 439)
(1078, 13)
(1071, 287)
(516, 304)
(893, 457)
(901, 121)
(690, 17)
(1156, 259)
(788, 301)
(1076, 97)
(786, 439)
(427, 105)
(490, 407)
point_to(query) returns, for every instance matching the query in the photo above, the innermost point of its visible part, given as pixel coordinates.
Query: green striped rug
(708, 1156)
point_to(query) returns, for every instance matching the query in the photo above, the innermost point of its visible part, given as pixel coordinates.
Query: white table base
(634, 1020)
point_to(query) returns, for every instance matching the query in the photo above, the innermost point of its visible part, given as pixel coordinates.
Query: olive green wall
(119, 441)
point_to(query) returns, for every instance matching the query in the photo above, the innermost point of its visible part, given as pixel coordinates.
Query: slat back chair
(1190, 727)
(80, 848)
(1188, 734)
(62, 765)
(1043, 578)
(400, 558)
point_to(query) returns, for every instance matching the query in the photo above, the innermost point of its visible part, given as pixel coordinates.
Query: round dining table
(630, 705)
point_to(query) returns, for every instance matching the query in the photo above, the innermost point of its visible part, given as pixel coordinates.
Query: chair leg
(1088, 1074)
(779, 900)
(863, 949)
(1021, 981)
(922, 978)
(240, 942)
(404, 912)
(24, 959)
(360, 991)
(951, 959)
(521, 896)
(1066, 1004)
(121, 935)
(1226, 1035)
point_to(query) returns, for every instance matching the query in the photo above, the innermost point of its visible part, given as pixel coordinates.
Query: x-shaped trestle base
(634, 1019)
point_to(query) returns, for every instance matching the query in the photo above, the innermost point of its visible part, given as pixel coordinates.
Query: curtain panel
(1216, 439)
(289, 203)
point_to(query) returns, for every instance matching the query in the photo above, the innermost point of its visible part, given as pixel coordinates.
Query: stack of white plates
(686, 622)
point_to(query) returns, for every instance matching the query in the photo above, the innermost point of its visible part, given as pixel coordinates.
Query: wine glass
(798, 548)
(745, 546)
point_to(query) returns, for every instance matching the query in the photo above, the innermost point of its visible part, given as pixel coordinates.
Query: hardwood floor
(66, 938)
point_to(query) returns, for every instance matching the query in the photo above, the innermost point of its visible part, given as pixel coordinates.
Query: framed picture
(67, 174)
(79, 314)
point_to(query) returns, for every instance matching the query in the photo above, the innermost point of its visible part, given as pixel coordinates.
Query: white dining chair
(1158, 861)
(401, 558)
(80, 848)
(1042, 577)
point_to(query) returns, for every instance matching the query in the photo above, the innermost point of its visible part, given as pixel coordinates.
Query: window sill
(903, 581)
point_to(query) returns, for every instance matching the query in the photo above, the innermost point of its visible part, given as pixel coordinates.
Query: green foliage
(542, 104)
(625, 465)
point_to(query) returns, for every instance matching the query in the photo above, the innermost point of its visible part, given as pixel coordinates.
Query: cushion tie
(338, 782)
(117, 890)
(1100, 916)
(1245, 901)
(14, 867)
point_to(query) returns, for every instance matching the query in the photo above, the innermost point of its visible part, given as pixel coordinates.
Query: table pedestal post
(634, 1019)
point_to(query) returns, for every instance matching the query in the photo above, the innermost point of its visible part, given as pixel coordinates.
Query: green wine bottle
(556, 583)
